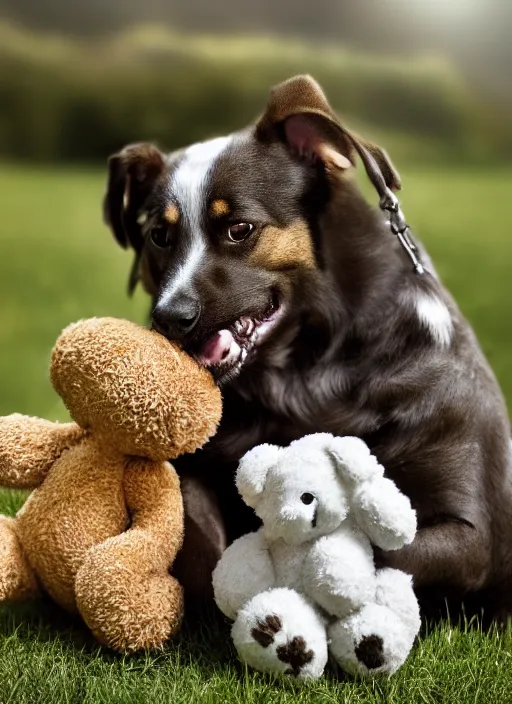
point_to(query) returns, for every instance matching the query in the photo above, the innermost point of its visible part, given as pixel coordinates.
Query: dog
(267, 264)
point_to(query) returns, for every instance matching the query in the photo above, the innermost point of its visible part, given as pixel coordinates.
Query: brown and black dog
(266, 262)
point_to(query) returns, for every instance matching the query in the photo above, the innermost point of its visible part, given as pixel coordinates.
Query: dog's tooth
(250, 327)
(239, 326)
(243, 355)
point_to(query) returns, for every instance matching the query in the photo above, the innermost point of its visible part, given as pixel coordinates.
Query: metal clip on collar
(389, 204)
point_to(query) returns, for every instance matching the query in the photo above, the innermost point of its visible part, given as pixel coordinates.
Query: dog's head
(226, 232)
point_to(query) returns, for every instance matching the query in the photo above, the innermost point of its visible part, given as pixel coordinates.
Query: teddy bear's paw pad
(265, 630)
(370, 652)
(296, 654)
(373, 641)
(279, 631)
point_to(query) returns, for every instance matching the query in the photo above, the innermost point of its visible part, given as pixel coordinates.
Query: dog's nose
(178, 317)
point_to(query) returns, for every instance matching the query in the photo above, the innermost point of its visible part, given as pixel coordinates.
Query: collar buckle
(396, 221)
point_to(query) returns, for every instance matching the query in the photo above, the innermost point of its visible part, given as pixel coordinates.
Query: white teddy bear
(306, 582)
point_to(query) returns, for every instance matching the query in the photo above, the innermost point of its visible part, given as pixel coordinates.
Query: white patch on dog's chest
(288, 560)
(435, 316)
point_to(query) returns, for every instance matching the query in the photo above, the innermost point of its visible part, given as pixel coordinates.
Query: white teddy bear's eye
(307, 498)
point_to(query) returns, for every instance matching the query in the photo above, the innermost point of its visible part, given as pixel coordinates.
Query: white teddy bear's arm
(338, 572)
(384, 514)
(244, 570)
(380, 509)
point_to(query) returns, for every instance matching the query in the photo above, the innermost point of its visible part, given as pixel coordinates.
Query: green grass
(57, 264)
(47, 658)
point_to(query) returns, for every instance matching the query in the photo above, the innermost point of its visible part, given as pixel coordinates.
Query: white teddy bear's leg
(244, 570)
(395, 590)
(378, 638)
(279, 631)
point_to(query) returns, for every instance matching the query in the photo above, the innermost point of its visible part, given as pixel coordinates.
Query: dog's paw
(279, 631)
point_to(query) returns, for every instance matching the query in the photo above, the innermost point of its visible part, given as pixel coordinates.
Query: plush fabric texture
(102, 527)
(265, 634)
(139, 392)
(309, 569)
(17, 579)
(30, 446)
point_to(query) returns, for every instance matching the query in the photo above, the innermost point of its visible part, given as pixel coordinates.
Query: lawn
(57, 264)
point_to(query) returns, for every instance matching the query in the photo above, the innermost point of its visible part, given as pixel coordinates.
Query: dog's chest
(288, 560)
(280, 408)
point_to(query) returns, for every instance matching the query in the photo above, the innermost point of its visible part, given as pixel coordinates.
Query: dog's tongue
(219, 347)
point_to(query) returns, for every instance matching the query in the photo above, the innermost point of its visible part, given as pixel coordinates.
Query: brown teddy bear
(105, 520)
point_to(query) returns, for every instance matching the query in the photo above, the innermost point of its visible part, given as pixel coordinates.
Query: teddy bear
(104, 521)
(305, 584)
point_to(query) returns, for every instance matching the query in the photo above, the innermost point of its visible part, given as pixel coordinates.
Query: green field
(58, 263)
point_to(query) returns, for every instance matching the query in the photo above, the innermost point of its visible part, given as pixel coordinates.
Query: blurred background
(430, 80)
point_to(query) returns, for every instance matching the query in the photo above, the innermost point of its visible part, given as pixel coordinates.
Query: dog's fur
(366, 346)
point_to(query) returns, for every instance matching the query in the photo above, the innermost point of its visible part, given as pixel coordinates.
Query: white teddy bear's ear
(252, 472)
(354, 460)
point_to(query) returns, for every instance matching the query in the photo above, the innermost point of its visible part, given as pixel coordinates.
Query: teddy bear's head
(133, 389)
(308, 489)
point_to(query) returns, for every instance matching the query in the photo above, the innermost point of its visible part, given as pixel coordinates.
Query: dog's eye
(307, 498)
(240, 231)
(161, 236)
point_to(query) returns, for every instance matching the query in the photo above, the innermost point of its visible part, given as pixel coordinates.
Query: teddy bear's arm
(384, 514)
(154, 502)
(244, 570)
(30, 446)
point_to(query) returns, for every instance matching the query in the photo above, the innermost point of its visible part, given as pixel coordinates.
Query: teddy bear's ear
(252, 472)
(353, 459)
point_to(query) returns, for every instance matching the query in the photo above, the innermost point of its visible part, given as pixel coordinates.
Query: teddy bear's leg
(378, 638)
(244, 570)
(395, 590)
(124, 596)
(123, 588)
(17, 580)
(280, 631)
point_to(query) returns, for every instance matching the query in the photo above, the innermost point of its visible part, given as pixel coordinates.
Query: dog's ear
(299, 113)
(131, 176)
